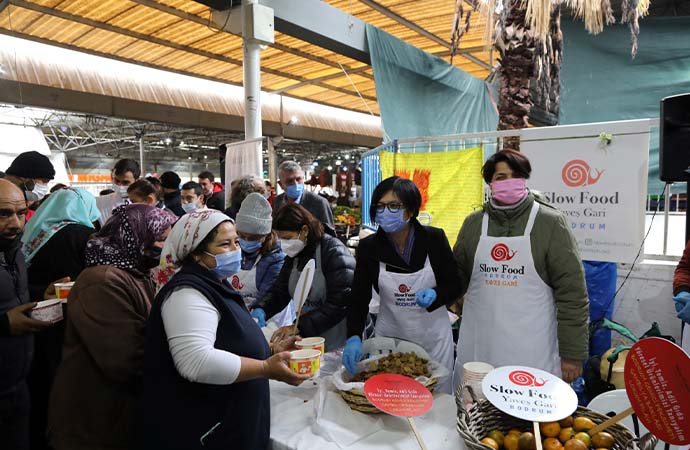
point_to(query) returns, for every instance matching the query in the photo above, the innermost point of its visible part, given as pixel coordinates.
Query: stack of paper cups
(472, 374)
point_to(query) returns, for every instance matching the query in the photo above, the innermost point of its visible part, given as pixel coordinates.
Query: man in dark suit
(292, 182)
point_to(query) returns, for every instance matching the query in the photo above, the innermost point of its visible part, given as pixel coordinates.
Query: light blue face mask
(227, 264)
(294, 191)
(391, 222)
(189, 207)
(250, 247)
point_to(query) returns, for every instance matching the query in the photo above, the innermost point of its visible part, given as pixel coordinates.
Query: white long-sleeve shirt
(190, 322)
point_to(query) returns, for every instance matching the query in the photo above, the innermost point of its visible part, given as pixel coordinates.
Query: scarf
(61, 208)
(124, 237)
(184, 238)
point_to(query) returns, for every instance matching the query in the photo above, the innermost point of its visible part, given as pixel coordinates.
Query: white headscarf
(184, 238)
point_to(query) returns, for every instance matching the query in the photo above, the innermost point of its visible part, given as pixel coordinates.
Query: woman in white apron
(323, 314)
(411, 267)
(262, 257)
(526, 301)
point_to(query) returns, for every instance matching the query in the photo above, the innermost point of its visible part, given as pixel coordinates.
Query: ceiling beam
(163, 42)
(419, 30)
(201, 21)
(323, 78)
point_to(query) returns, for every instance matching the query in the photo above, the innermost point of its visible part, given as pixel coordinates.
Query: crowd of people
(161, 345)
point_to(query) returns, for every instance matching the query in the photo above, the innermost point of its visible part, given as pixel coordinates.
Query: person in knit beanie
(262, 257)
(28, 167)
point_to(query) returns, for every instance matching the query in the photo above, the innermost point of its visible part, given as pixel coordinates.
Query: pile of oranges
(567, 434)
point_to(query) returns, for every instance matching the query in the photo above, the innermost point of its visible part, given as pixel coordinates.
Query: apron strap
(532, 216)
(485, 225)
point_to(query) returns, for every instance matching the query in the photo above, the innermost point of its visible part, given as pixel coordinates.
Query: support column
(272, 160)
(141, 153)
(251, 66)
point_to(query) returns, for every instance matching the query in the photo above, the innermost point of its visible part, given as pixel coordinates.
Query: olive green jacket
(556, 260)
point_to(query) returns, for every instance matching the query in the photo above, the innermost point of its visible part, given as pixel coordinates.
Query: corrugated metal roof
(176, 35)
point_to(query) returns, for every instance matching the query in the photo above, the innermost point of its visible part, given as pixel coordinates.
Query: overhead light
(347, 156)
(205, 156)
(344, 168)
(329, 167)
(167, 141)
(181, 143)
(338, 162)
(189, 157)
(315, 164)
(293, 120)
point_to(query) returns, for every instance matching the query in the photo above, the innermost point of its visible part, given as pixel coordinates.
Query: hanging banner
(242, 158)
(450, 183)
(596, 175)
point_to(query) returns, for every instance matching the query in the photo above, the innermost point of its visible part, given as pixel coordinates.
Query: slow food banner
(450, 183)
(598, 181)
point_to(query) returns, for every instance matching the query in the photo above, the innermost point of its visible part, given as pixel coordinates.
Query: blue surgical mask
(189, 207)
(391, 222)
(294, 191)
(227, 264)
(250, 247)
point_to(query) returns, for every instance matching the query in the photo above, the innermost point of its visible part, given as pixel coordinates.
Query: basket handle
(647, 442)
(459, 392)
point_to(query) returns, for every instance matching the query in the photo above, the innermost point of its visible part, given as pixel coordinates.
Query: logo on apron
(405, 297)
(403, 288)
(502, 252)
(236, 283)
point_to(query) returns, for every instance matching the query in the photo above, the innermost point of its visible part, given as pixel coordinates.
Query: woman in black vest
(207, 363)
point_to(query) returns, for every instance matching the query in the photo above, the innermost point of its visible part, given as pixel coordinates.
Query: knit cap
(254, 216)
(32, 165)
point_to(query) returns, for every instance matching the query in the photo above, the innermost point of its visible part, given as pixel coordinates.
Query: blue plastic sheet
(601, 287)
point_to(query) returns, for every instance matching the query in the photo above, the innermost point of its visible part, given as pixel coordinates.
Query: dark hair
(293, 217)
(142, 188)
(194, 185)
(207, 175)
(57, 187)
(105, 192)
(270, 243)
(170, 180)
(154, 181)
(404, 189)
(517, 162)
(127, 165)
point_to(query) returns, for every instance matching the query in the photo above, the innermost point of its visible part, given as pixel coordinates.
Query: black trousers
(14, 419)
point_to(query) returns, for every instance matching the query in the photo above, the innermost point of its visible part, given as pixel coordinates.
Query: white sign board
(600, 187)
(529, 394)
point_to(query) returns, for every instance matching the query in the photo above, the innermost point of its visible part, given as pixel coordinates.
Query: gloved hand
(352, 353)
(684, 314)
(260, 316)
(426, 297)
(681, 299)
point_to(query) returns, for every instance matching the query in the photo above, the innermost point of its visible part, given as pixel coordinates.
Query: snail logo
(236, 283)
(403, 288)
(524, 378)
(502, 252)
(577, 173)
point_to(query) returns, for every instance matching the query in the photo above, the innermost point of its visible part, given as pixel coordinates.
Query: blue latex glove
(352, 353)
(681, 299)
(684, 314)
(426, 297)
(260, 315)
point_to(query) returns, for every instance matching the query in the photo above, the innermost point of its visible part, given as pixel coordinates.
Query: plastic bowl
(48, 311)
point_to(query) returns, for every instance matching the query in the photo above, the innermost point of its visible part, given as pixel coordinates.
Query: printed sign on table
(657, 381)
(398, 395)
(601, 188)
(529, 394)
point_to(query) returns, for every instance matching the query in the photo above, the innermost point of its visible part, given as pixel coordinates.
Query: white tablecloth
(293, 422)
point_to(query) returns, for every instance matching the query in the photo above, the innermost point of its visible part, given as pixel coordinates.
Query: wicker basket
(357, 400)
(482, 417)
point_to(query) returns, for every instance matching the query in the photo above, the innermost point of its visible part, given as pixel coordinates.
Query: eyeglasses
(393, 207)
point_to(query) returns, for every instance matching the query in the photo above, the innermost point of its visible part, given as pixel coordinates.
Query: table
(294, 425)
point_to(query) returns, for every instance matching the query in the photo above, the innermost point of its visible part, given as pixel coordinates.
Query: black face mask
(150, 258)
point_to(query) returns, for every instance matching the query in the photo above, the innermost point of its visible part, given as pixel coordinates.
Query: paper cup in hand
(305, 362)
(62, 289)
(47, 311)
(315, 343)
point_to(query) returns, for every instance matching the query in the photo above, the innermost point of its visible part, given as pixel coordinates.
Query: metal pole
(252, 79)
(141, 153)
(667, 206)
(272, 166)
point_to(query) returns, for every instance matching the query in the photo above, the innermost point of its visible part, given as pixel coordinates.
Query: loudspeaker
(674, 138)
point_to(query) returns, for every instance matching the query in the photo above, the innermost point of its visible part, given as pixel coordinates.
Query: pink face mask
(509, 191)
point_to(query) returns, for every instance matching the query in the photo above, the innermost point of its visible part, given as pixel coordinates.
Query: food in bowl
(408, 364)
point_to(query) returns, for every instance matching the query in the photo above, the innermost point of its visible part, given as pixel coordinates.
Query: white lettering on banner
(600, 189)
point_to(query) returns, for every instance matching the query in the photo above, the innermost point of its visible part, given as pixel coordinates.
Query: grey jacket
(313, 203)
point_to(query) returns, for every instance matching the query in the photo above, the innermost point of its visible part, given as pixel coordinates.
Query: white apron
(244, 282)
(509, 313)
(400, 316)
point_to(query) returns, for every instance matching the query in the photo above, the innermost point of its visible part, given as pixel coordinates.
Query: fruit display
(408, 364)
(567, 434)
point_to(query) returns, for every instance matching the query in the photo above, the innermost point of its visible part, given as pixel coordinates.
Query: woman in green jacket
(526, 300)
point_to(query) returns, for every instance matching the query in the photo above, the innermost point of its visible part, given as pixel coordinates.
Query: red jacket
(681, 276)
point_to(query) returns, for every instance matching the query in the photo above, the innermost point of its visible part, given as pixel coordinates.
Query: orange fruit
(550, 429)
(552, 444)
(510, 442)
(567, 422)
(603, 440)
(582, 424)
(526, 441)
(515, 431)
(490, 442)
(575, 444)
(566, 434)
(584, 437)
(497, 436)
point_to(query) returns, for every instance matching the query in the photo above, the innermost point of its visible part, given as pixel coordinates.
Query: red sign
(657, 381)
(525, 378)
(502, 252)
(398, 395)
(577, 173)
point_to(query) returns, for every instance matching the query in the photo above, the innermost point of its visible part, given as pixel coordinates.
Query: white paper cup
(316, 343)
(48, 311)
(475, 371)
(62, 289)
(305, 362)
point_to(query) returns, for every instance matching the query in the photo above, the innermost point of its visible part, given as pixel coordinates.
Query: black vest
(176, 413)
(16, 352)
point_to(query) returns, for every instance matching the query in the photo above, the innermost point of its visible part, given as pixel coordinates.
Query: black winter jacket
(16, 352)
(428, 241)
(338, 267)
